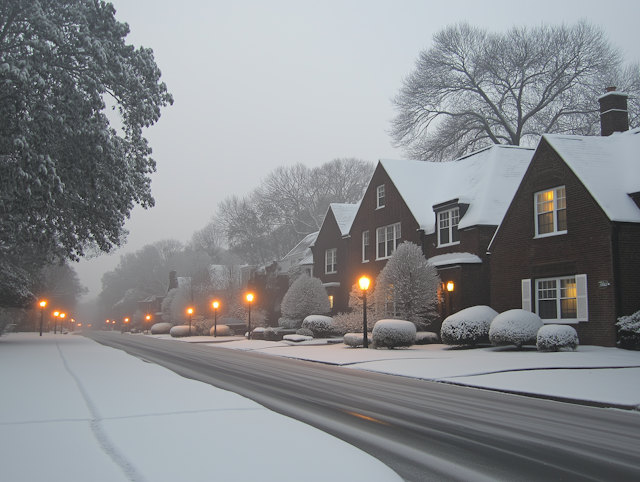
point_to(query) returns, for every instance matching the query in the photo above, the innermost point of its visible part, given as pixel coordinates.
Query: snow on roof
(609, 167)
(344, 214)
(487, 180)
(454, 258)
(301, 248)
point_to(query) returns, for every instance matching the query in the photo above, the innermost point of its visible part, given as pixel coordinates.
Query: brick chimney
(614, 116)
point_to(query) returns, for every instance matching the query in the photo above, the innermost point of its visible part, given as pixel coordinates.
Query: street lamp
(364, 286)
(62, 315)
(72, 324)
(42, 305)
(55, 322)
(148, 318)
(126, 325)
(215, 318)
(249, 299)
(190, 311)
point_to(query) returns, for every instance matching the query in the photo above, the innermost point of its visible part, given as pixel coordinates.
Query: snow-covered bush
(348, 323)
(426, 338)
(179, 331)
(297, 338)
(393, 334)
(629, 330)
(353, 339)
(515, 327)
(258, 333)
(468, 327)
(161, 328)
(557, 337)
(288, 323)
(320, 325)
(306, 297)
(222, 330)
(407, 287)
(304, 332)
(270, 334)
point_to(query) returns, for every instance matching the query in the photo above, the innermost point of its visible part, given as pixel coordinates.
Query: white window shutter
(526, 295)
(581, 297)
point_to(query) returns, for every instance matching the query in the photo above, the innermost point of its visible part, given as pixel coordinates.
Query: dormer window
(381, 198)
(551, 212)
(448, 227)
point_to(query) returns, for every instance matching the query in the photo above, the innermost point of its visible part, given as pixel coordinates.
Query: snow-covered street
(76, 411)
(604, 376)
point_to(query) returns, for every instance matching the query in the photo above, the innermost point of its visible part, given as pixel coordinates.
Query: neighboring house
(450, 209)
(331, 251)
(569, 245)
(300, 256)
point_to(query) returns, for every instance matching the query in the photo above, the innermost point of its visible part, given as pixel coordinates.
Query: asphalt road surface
(425, 431)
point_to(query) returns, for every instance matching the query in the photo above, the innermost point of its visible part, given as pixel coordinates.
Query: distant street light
(126, 324)
(249, 299)
(72, 323)
(190, 311)
(42, 305)
(148, 322)
(215, 318)
(364, 286)
(55, 322)
(62, 315)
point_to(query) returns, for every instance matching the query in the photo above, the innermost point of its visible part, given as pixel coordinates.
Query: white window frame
(391, 234)
(559, 203)
(380, 197)
(331, 261)
(366, 243)
(582, 302)
(452, 214)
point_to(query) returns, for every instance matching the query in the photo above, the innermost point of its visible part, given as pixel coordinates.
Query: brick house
(569, 245)
(331, 251)
(450, 209)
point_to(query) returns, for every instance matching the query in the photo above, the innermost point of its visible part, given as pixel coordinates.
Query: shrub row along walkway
(592, 375)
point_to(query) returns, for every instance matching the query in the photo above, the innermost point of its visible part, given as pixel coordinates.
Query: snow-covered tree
(473, 88)
(68, 180)
(305, 297)
(407, 287)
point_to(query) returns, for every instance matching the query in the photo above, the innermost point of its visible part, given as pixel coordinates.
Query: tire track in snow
(128, 469)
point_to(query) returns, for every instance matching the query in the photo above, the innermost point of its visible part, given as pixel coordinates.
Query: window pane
(568, 302)
(548, 309)
(568, 308)
(545, 223)
(454, 234)
(562, 220)
(444, 227)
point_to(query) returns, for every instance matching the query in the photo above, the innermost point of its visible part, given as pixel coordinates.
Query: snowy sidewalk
(77, 411)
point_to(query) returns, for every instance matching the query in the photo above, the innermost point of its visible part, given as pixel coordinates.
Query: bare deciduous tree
(473, 88)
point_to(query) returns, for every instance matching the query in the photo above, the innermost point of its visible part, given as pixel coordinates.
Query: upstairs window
(551, 212)
(381, 198)
(448, 227)
(387, 240)
(331, 263)
(365, 246)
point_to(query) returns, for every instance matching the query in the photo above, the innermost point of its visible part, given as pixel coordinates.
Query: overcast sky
(261, 84)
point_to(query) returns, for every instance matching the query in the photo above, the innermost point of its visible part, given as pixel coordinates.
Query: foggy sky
(261, 84)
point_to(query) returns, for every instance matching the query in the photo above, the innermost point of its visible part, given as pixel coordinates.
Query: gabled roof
(302, 248)
(344, 214)
(487, 180)
(609, 167)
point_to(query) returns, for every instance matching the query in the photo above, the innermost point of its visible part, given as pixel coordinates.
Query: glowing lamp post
(190, 311)
(62, 315)
(126, 324)
(249, 300)
(148, 321)
(215, 318)
(364, 286)
(42, 305)
(55, 322)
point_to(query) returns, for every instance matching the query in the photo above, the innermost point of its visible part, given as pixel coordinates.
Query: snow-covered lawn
(77, 411)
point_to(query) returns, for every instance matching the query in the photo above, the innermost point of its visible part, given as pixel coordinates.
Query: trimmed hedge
(161, 328)
(468, 327)
(223, 330)
(393, 334)
(180, 331)
(515, 327)
(557, 337)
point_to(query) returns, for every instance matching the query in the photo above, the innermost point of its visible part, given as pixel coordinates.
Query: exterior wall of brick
(586, 248)
(330, 237)
(628, 245)
(370, 218)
